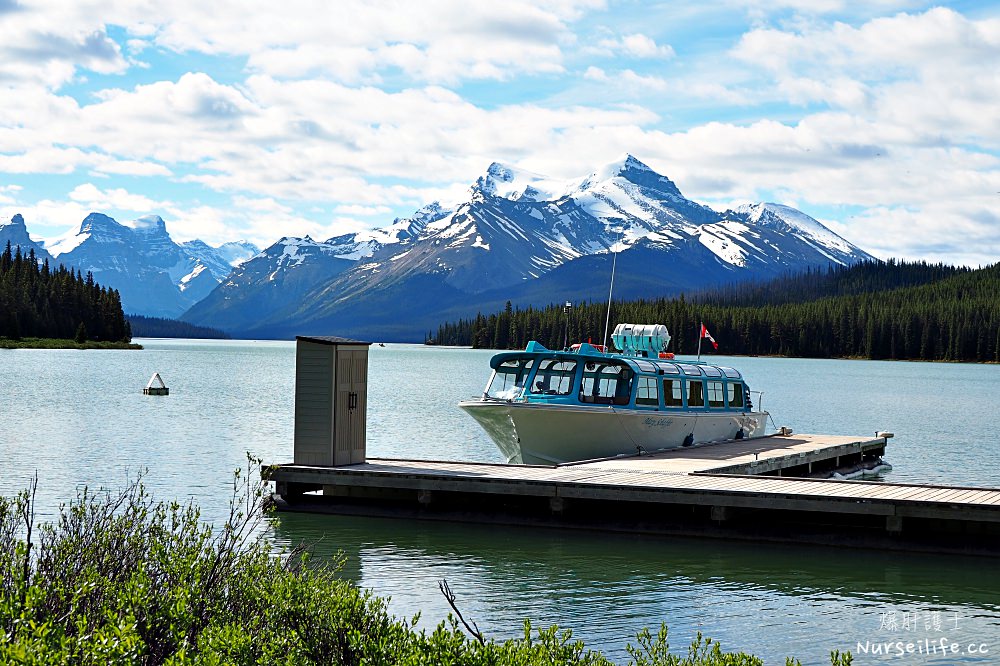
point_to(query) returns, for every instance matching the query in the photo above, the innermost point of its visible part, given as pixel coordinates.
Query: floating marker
(156, 386)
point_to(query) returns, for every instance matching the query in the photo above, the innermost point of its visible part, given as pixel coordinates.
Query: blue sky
(257, 120)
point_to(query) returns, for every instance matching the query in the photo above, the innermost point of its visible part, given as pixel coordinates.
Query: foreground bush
(121, 578)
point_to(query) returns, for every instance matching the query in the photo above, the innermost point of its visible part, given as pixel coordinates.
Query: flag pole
(700, 336)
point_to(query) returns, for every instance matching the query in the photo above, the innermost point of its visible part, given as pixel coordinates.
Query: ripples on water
(80, 418)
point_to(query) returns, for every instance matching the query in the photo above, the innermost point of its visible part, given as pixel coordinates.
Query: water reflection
(772, 600)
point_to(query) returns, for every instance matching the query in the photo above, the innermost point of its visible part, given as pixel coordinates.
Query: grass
(119, 578)
(58, 343)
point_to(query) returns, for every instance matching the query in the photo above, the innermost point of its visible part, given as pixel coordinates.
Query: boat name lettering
(658, 422)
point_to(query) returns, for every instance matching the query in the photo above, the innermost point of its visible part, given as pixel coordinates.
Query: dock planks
(699, 483)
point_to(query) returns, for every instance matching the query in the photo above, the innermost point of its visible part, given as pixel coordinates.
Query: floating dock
(762, 488)
(752, 489)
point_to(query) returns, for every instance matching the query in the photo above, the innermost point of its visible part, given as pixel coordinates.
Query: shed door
(351, 401)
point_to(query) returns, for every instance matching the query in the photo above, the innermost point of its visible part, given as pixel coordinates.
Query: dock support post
(557, 505)
(720, 513)
(894, 524)
(424, 497)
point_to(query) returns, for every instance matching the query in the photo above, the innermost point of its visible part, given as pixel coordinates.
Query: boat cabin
(587, 376)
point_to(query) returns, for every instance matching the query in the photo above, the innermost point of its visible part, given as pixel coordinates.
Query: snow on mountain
(236, 252)
(520, 234)
(154, 275)
(777, 215)
(501, 180)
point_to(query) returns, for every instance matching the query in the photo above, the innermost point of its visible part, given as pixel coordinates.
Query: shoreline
(57, 343)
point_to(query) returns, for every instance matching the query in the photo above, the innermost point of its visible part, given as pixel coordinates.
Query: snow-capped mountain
(523, 237)
(154, 275)
(15, 232)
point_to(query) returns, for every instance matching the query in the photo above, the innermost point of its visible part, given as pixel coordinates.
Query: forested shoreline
(157, 327)
(37, 301)
(872, 310)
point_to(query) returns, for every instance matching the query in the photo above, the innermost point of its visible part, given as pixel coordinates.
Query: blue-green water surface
(79, 418)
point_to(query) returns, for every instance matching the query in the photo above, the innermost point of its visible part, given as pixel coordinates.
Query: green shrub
(121, 578)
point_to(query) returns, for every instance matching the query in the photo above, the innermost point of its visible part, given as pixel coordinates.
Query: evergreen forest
(156, 327)
(37, 301)
(871, 310)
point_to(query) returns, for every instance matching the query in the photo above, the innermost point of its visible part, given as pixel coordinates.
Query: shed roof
(329, 340)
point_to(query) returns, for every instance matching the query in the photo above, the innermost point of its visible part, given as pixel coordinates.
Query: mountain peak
(517, 184)
(15, 232)
(631, 163)
(776, 215)
(635, 171)
(17, 220)
(150, 224)
(98, 222)
(494, 180)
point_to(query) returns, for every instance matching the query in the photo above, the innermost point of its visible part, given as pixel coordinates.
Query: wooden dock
(738, 489)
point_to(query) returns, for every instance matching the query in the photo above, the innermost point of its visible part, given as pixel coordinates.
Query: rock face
(155, 276)
(14, 231)
(521, 237)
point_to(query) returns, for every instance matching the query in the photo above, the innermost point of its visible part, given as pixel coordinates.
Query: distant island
(42, 307)
(871, 310)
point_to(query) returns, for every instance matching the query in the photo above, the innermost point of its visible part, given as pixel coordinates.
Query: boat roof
(656, 366)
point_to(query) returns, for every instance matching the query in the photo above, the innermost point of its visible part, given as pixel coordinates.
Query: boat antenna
(566, 309)
(607, 319)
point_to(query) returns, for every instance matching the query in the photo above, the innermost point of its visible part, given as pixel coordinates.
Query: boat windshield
(508, 380)
(606, 383)
(554, 377)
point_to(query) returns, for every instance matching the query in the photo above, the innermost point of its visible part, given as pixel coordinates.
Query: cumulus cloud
(934, 70)
(314, 117)
(363, 211)
(635, 45)
(113, 167)
(117, 198)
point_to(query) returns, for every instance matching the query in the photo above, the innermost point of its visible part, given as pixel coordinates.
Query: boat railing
(760, 400)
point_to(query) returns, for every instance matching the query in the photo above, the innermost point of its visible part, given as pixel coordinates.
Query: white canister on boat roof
(642, 339)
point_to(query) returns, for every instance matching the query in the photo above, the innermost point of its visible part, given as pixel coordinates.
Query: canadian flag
(706, 334)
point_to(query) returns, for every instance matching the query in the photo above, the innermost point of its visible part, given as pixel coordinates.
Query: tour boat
(546, 407)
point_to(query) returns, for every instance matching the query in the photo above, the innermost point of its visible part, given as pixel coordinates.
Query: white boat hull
(538, 434)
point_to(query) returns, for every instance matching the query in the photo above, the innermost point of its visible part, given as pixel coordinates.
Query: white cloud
(635, 45)
(363, 211)
(258, 205)
(965, 234)
(131, 168)
(935, 71)
(116, 198)
(365, 109)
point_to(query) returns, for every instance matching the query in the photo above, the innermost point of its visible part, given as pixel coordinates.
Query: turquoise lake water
(79, 418)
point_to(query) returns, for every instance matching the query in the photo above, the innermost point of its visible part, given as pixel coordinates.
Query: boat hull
(537, 434)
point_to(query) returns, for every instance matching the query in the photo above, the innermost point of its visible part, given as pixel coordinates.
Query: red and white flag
(706, 334)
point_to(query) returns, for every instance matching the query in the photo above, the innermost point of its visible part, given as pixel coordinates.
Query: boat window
(646, 394)
(734, 393)
(606, 383)
(672, 393)
(715, 394)
(509, 378)
(712, 371)
(554, 377)
(669, 368)
(731, 372)
(645, 366)
(695, 394)
(692, 370)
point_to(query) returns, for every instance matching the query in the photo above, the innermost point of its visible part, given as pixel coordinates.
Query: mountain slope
(15, 232)
(530, 239)
(155, 275)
